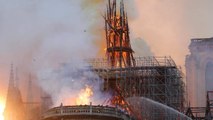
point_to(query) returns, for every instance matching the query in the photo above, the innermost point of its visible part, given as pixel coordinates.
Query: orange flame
(84, 96)
(2, 106)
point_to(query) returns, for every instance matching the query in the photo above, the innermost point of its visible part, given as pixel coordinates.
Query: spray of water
(149, 109)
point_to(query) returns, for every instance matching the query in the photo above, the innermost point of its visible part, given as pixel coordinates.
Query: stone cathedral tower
(199, 71)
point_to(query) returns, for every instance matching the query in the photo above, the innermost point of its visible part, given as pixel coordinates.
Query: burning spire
(119, 51)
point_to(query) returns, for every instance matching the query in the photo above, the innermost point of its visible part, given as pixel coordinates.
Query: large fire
(84, 96)
(1, 110)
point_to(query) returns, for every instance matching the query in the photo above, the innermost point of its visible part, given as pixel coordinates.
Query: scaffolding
(157, 78)
(118, 51)
(126, 76)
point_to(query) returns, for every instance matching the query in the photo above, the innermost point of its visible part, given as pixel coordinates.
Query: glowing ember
(84, 96)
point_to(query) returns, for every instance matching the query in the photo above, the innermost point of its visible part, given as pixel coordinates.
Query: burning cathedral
(127, 78)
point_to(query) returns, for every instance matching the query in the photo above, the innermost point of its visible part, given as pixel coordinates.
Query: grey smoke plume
(141, 48)
(66, 84)
(39, 35)
(69, 42)
(168, 25)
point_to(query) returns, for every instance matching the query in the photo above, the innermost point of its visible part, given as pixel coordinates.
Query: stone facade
(199, 74)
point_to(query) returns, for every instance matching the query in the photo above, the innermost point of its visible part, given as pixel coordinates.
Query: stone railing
(85, 110)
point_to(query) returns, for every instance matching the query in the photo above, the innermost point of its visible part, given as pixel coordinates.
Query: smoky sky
(39, 34)
(168, 25)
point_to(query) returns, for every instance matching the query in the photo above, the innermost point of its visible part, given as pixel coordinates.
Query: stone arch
(206, 63)
(209, 76)
(201, 82)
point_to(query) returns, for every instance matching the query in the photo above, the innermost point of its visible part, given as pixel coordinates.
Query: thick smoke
(38, 36)
(70, 46)
(168, 25)
(141, 48)
(65, 84)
